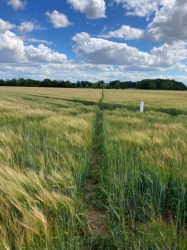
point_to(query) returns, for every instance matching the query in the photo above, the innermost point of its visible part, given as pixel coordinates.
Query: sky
(126, 40)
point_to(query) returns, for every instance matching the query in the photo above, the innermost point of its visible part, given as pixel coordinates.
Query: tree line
(154, 84)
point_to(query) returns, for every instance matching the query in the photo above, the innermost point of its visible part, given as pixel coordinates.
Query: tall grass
(145, 179)
(44, 162)
(52, 93)
(154, 99)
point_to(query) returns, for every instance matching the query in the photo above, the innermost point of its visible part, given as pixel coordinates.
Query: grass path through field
(95, 199)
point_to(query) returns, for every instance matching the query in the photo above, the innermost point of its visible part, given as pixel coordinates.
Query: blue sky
(93, 39)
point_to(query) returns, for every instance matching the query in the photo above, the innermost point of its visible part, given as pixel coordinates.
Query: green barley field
(85, 169)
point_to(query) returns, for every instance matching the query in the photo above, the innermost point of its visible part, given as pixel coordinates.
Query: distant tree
(167, 85)
(88, 84)
(73, 85)
(61, 84)
(160, 84)
(68, 84)
(78, 84)
(117, 85)
(12, 82)
(21, 82)
(95, 85)
(45, 83)
(101, 84)
(2, 82)
(85, 84)
(152, 85)
(55, 83)
(123, 85)
(180, 86)
(112, 83)
(31, 83)
(132, 84)
(143, 84)
(107, 86)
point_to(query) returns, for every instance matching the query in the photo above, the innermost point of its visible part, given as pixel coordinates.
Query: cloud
(17, 4)
(58, 20)
(182, 67)
(125, 32)
(93, 9)
(26, 27)
(81, 71)
(43, 54)
(35, 40)
(168, 55)
(101, 51)
(143, 8)
(4, 26)
(169, 23)
(95, 51)
(81, 37)
(13, 50)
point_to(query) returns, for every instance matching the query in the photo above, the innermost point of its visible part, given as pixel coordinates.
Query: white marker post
(141, 106)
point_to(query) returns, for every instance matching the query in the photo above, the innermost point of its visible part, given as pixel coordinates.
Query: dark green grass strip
(132, 108)
(95, 198)
(112, 106)
(84, 102)
(135, 108)
(94, 195)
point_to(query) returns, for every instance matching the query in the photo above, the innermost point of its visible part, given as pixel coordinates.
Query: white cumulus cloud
(17, 4)
(140, 7)
(125, 32)
(170, 22)
(4, 26)
(26, 27)
(168, 55)
(169, 19)
(101, 51)
(81, 37)
(143, 7)
(93, 9)
(59, 20)
(35, 40)
(43, 54)
(13, 50)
